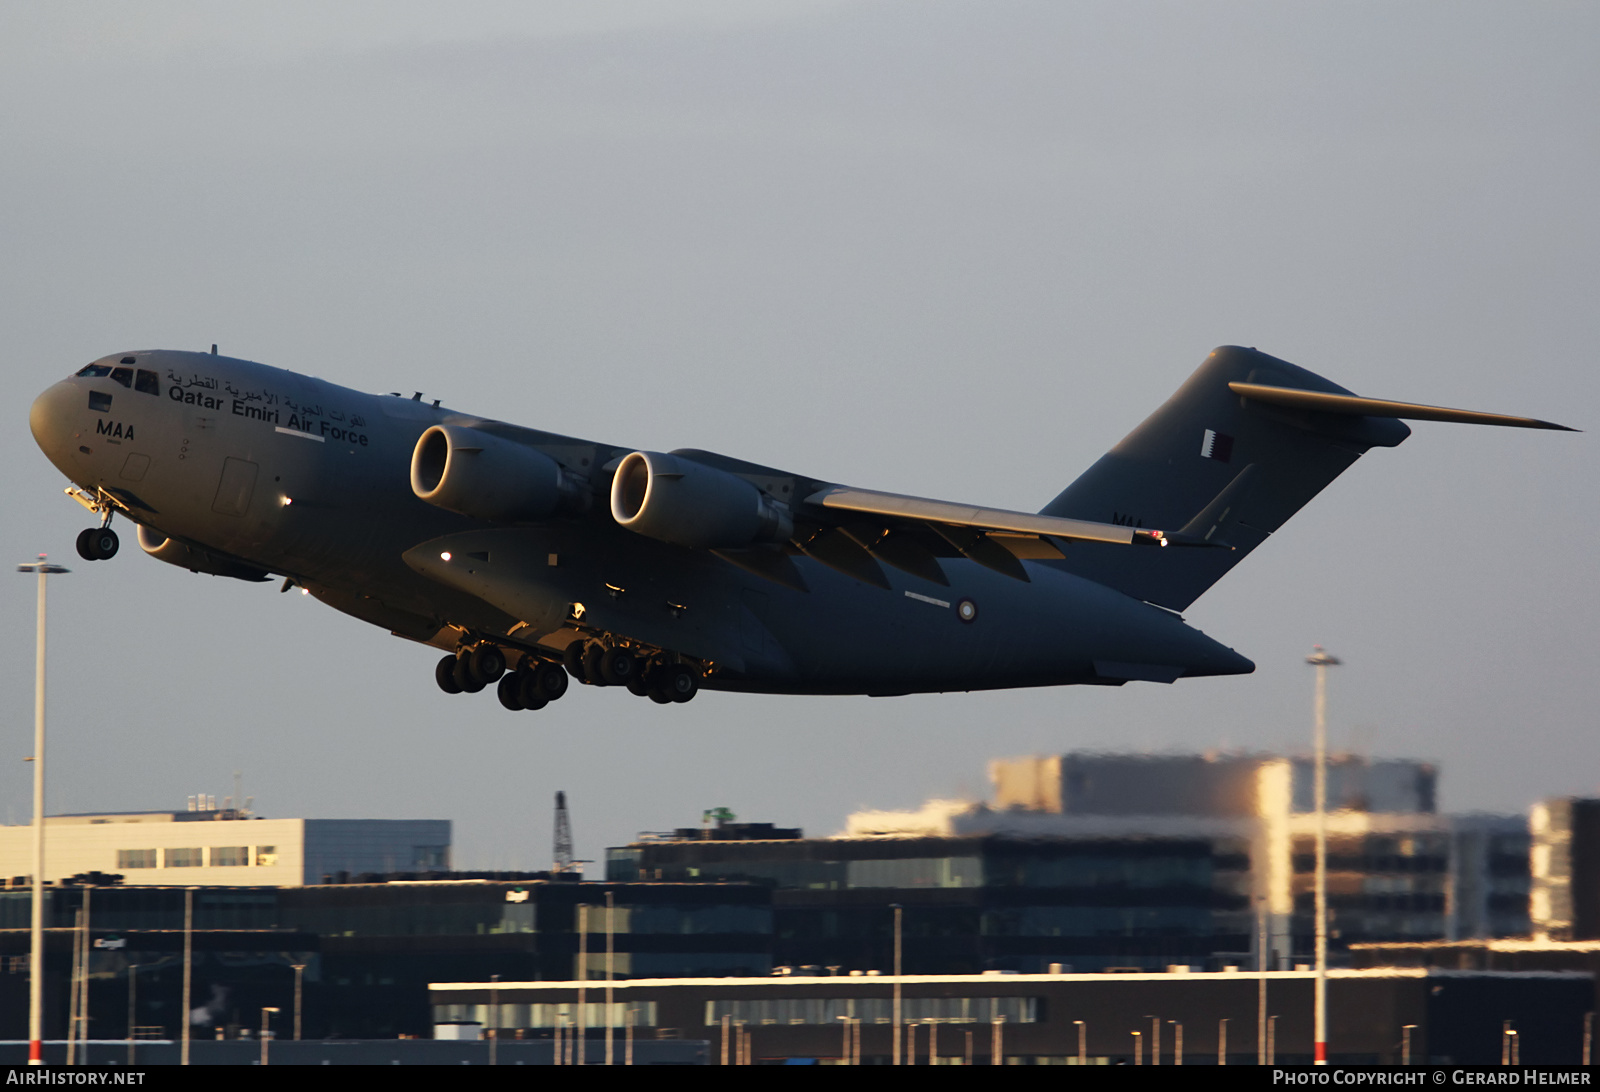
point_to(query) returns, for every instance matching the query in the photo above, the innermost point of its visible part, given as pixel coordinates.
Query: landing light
(445, 556)
(287, 501)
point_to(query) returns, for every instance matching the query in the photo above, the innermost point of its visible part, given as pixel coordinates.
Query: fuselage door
(234, 490)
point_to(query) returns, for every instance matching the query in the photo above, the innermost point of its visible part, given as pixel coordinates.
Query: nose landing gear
(96, 543)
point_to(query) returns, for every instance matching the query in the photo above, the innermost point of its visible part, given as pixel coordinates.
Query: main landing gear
(657, 677)
(534, 683)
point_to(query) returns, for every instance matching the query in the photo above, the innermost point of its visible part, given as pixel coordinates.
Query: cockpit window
(123, 376)
(94, 371)
(147, 382)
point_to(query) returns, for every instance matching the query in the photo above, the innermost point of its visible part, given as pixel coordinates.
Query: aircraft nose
(51, 419)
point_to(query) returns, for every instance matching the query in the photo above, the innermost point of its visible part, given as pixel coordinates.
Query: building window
(230, 856)
(545, 1015)
(874, 1010)
(266, 856)
(189, 857)
(136, 858)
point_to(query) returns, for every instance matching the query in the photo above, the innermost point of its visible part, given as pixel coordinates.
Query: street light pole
(266, 1015)
(896, 1006)
(185, 1016)
(299, 971)
(1320, 659)
(36, 960)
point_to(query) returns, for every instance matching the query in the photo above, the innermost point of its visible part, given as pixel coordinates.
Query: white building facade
(222, 848)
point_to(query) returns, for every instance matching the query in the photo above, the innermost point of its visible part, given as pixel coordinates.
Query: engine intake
(688, 503)
(470, 472)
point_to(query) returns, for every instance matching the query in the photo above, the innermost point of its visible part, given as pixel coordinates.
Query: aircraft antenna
(563, 846)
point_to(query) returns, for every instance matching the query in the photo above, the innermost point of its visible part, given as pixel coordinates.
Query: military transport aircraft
(532, 557)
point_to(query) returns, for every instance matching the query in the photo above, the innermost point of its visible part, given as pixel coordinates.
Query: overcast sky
(949, 249)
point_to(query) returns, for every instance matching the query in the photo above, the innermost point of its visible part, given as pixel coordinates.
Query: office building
(222, 847)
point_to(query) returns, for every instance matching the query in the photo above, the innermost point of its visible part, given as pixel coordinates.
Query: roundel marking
(967, 610)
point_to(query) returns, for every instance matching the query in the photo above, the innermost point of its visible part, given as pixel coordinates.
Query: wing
(858, 527)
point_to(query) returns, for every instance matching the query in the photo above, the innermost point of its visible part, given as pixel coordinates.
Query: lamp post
(494, 1019)
(299, 973)
(36, 960)
(611, 936)
(1320, 659)
(266, 1035)
(188, 972)
(898, 911)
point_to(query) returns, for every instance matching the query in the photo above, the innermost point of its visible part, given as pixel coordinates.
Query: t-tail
(1240, 448)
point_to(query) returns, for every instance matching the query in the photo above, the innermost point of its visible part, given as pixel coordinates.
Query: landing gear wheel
(528, 694)
(507, 692)
(97, 543)
(680, 683)
(465, 679)
(618, 666)
(637, 685)
(488, 663)
(572, 660)
(445, 675)
(592, 655)
(551, 681)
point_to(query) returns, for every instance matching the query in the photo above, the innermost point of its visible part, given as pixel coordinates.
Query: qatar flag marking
(1216, 445)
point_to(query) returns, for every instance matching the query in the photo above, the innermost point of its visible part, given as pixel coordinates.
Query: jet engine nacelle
(176, 553)
(691, 504)
(475, 474)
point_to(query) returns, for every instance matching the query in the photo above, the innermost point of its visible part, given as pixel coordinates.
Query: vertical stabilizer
(1222, 467)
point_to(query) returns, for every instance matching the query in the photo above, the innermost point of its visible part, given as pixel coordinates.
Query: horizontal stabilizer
(1350, 405)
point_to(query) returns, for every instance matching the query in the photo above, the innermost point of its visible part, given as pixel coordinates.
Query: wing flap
(947, 514)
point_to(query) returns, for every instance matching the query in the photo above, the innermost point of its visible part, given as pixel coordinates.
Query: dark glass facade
(367, 951)
(974, 904)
